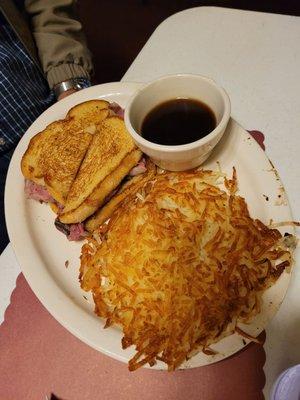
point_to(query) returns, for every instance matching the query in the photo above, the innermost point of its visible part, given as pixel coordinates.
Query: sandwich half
(80, 163)
(54, 155)
(110, 157)
(126, 193)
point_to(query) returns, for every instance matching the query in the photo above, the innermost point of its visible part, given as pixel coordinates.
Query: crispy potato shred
(179, 264)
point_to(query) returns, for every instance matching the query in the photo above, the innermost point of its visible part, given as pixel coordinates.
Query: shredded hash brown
(179, 264)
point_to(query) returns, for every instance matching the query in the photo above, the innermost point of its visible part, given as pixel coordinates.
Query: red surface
(39, 357)
(259, 137)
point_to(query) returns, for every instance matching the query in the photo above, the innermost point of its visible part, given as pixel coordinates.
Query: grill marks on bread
(111, 155)
(55, 154)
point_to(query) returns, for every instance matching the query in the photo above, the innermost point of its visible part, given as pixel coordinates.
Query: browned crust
(102, 190)
(34, 165)
(106, 152)
(125, 193)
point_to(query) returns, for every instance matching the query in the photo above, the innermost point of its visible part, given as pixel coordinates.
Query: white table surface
(256, 58)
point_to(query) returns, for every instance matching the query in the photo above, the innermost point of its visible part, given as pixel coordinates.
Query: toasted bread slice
(62, 160)
(111, 155)
(100, 193)
(54, 155)
(127, 191)
(30, 163)
(87, 114)
(83, 116)
(54, 207)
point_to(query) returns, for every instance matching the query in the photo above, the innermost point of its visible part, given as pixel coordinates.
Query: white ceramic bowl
(186, 156)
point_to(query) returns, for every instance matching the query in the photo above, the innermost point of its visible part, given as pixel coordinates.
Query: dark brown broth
(178, 121)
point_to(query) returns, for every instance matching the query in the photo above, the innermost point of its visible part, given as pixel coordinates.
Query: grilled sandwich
(111, 155)
(77, 164)
(126, 192)
(54, 155)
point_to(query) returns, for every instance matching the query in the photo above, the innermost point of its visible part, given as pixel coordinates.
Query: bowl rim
(182, 147)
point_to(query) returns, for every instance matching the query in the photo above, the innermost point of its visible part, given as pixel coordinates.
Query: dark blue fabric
(24, 95)
(24, 92)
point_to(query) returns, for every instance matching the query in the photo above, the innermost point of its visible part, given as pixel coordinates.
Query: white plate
(42, 251)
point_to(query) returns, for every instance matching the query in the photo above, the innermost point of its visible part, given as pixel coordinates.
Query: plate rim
(63, 302)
